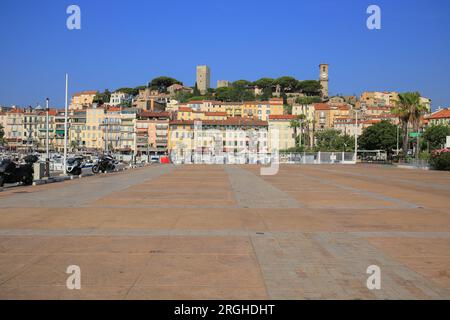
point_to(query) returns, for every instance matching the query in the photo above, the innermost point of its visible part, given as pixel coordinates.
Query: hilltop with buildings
(158, 117)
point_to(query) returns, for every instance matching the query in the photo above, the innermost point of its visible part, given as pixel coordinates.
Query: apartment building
(94, 132)
(13, 128)
(280, 130)
(263, 109)
(77, 130)
(83, 99)
(439, 117)
(234, 135)
(119, 98)
(324, 115)
(185, 113)
(350, 127)
(379, 99)
(152, 132)
(111, 129)
(150, 100)
(127, 131)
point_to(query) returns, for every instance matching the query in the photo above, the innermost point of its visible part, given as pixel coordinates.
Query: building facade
(83, 99)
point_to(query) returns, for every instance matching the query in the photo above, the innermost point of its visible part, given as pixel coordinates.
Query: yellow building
(93, 135)
(82, 99)
(380, 99)
(185, 113)
(263, 109)
(77, 130)
(281, 130)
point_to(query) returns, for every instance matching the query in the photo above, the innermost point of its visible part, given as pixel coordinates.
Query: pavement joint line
(251, 191)
(92, 232)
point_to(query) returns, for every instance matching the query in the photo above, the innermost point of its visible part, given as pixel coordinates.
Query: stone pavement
(225, 232)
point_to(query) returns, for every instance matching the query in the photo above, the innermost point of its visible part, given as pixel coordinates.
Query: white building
(118, 98)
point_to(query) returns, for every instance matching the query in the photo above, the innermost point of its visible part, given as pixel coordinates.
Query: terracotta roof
(282, 117)
(184, 109)
(196, 102)
(442, 114)
(225, 103)
(321, 106)
(232, 121)
(87, 92)
(16, 110)
(114, 109)
(150, 114)
(216, 114)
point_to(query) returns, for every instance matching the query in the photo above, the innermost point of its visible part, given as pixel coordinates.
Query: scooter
(106, 163)
(11, 172)
(75, 165)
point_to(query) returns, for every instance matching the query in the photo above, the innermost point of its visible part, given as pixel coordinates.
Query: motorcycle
(75, 165)
(106, 163)
(11, 172)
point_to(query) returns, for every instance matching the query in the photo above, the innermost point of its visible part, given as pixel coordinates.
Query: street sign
(414, 134)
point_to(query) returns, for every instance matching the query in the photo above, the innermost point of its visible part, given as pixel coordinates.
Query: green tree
(409, 110)
(436, 136)
(309, 87)
(308, 100)
(102, 97)
(196, 91)
(287, 84)
(380, 136)
(197, 98)
(298, 123)
(267, 93)
(131, 91)
(241, 84)
(183, 96)
(264, 83)
(234, 94)
(162, 83)
(125, 104)
(333, 140)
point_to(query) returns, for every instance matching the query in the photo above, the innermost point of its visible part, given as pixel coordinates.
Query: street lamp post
(106, 136)
(356, 134)
(47, 152)
(65, 126)
(46, 130)
(148, 148)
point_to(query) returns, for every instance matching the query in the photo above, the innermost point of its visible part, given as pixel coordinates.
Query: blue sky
(127, 43)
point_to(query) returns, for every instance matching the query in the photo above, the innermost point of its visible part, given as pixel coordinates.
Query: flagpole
(65, 126)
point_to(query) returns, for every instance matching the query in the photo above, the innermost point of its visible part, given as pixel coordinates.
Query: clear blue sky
(127, 43)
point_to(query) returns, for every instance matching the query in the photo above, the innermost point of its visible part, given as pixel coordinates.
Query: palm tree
(295, 124)
(409, 111)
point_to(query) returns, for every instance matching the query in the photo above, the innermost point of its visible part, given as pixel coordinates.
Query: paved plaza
(226, 232)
